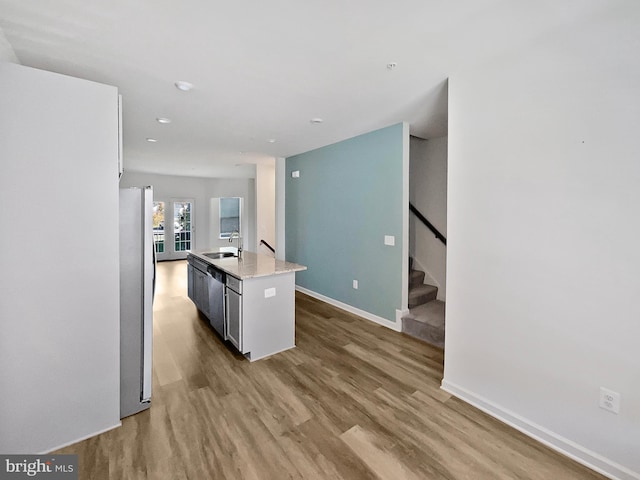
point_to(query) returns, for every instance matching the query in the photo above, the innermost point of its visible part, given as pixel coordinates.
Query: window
(158, 226)
(229, 216)
(182, 226)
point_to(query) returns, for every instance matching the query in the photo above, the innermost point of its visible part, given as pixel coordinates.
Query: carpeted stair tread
(422, 294)
(431, 313)
(416, 278)
(426, 322)
(424, 332)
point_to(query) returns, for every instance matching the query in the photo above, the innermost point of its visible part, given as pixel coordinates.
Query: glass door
(173, 228)
(182, 225)
(158, 227)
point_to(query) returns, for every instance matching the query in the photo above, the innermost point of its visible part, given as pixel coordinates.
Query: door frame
(170, 252)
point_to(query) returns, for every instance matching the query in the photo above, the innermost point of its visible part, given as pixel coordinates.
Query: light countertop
(250, 265)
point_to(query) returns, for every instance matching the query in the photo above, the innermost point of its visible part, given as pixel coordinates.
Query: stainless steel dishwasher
(216, 280)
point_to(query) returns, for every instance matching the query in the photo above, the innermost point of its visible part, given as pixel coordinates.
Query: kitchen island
(249, 301)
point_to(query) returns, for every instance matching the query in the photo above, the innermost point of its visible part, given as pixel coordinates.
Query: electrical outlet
(609, 400)
(355, 284)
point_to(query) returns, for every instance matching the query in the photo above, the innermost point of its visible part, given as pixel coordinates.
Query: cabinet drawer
(197, 263)
(234, 283)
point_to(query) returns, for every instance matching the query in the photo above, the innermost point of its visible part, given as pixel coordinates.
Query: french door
(173, 227)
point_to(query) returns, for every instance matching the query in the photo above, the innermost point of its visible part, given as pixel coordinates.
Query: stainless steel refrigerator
(137, 282)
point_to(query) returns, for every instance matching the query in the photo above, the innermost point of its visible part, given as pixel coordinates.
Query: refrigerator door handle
(155, 267)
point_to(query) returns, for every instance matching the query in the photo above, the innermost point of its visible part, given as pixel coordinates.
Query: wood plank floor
(353, 401)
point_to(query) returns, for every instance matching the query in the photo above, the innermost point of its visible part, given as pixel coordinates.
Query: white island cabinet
(259, 295)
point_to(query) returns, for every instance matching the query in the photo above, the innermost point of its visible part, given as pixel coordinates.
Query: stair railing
(264, 242)
(427, 223)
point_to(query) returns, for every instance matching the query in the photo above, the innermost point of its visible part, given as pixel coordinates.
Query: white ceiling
(263, 69)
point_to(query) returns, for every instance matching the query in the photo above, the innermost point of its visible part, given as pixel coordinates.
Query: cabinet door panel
(234, 319)
(201, 291)
(190, 281)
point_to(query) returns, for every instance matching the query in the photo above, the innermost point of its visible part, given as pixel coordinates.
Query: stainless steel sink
(219, 254)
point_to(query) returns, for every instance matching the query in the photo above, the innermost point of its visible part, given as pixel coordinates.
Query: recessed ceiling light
(271, 140)
(151, 140)
(392, 65)
(316, 120)
(183, 86)
(163, 120)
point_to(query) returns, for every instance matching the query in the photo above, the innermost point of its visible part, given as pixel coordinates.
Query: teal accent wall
(347, 198)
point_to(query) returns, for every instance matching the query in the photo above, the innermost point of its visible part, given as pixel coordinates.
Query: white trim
(400, 314)
(252, 359)
(91, 435)
(395, 326)
(406, 146)
(551, 439)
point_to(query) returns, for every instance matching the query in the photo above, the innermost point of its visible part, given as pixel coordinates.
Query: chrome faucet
(236, 234)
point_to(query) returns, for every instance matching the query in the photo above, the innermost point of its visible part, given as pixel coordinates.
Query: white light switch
(389, 240)
(295, 174)
(269, 292)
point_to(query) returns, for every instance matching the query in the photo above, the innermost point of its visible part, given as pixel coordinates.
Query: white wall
(202, 190)
(266, 205)
(543, 222)
(428, 192)
(7, 54)
(59, 275)
(280, 179)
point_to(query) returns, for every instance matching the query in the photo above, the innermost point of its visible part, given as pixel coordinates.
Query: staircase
(426, 314)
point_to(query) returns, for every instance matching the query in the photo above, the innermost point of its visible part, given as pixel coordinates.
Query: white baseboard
(255, 359)
(552, 440)
(395, 326)
(399, 315)
(99, 432)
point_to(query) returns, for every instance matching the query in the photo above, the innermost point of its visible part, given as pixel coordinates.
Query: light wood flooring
(352, 401)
